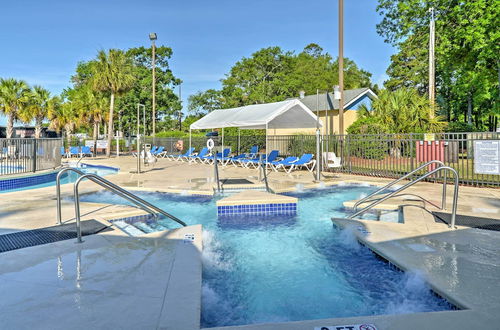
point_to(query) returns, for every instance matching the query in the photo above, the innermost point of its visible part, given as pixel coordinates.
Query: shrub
(365, 140)
(368, 125)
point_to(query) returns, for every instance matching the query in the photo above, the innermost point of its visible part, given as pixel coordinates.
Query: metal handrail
(141, 203)
(409, 184)
(365, 199)
(216, 171)
(127, 195)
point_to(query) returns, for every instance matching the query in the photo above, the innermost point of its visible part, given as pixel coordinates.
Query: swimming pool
(49, 179)
(289, 268)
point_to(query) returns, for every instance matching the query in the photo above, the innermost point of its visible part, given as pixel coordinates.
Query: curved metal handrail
(118, 190)
(141, 203)
(409, 184)
(365, 199)
(127, 195)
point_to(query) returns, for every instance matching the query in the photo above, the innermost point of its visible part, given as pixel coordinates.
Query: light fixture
(152, 36)
(336, 92)
(302, 94)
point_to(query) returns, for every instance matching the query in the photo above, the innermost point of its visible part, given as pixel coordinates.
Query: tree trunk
(68, 138)
(110, 124)
(469, 109)
(94, 137)
(38, 127)
(10, 125)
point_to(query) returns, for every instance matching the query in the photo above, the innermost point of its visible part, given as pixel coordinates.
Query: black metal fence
(29, 155)
(393, 155)
(382, 155)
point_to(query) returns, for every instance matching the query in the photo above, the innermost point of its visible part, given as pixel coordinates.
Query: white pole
(189, 137)
(117, 147)
(222, 141)
(267, 127)
(239, 147)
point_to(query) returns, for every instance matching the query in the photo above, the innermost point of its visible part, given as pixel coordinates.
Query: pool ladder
(441, 167)
(139, 202)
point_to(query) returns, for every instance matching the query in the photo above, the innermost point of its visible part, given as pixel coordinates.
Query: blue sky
(42, 41)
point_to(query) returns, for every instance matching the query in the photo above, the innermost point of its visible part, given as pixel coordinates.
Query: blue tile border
(26, 181)
(258, 209)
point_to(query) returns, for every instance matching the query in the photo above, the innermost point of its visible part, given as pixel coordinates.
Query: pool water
(68, 177)
(275, 269)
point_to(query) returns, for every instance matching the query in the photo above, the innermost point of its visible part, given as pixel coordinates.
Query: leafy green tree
(467, 54)
(91, 106)
(65, 116)
(400, 111)
(203, 102)
(112, 72)
(272, 74)
(14, 97)
(39, 104)
(168, 104)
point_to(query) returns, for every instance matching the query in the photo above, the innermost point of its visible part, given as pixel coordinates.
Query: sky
(42, 41)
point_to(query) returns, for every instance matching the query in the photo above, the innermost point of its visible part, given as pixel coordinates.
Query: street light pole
(432, 68)
(153, 37)
(341, 66)
(180, 111)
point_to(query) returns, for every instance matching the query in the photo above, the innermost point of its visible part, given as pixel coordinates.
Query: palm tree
(13, 98)
(37, 108)
(92, 107)
(112, 73)
(64, 116)
(404, 111)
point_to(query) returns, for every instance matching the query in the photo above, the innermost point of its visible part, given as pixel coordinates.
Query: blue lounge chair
(204, 158)
(189, 152)
(266, 159)
(287, 160)
(236, 159)
(63, 151)
(164, 154)
(306, 160)
(204, 152)
(157, 151)
(74, 151)
(219, 156)
(86, 151)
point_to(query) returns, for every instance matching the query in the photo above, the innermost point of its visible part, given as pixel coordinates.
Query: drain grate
(468, 221)
(23, 239)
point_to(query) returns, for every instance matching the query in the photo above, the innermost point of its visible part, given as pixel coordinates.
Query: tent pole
(239, 131)
(267, 127)
(189, 137)
(222, 141)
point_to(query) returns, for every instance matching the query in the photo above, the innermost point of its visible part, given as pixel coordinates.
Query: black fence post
(34, 155)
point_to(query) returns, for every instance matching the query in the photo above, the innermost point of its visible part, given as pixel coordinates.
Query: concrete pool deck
(463, 265)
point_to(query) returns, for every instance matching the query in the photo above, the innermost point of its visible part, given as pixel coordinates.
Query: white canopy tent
(285, 114)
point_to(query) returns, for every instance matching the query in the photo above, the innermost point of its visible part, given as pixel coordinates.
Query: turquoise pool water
(47, 180)
(272, 269)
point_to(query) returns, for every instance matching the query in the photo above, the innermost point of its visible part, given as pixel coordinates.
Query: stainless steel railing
(391, 194)
(366, 199)
(141, 203)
